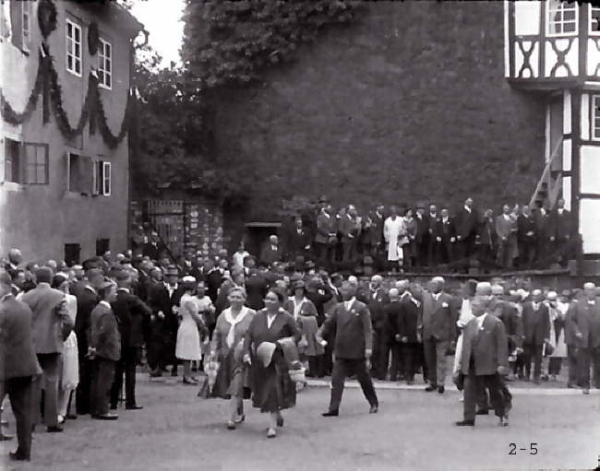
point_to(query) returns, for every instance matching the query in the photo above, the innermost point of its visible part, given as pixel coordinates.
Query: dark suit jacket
(319, 299)
(422, 228)
(488, 233)
(376, 302)
(560, 225)
(353, 332)
(585, 319)
(467, 223)
(104, 333)
(268, 256)
(326, 227)
(525, 225)
(256, 290)
(513, 324)
(536, 324)
(409, 319)
(487, 347)
(86, 302)
(17, 354)
(349, 228)
(133, 315)
(445, 230)
(374, 234)
(438, 318)
(159, 300)
(52, 323)
(503, 227)
(297, 241)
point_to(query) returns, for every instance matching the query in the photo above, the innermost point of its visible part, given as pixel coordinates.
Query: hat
(265, 352)
(551, 296)
(171, 270)
(188, 279)
(323, 199)
(299, 284)
(497, 290)
(438, 279)
(122, 275)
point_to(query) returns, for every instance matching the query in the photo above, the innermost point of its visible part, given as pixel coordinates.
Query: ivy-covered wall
(407, 103)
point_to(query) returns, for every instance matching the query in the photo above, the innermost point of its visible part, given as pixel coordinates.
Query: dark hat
(171, 271)
(122, 275)
(299, 284)
(323, 199)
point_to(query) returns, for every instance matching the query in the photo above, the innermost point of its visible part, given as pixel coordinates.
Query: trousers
(102, 379)
(435, 356)
(125, 366)
(50, 364)
(20, 394)
(342, 368)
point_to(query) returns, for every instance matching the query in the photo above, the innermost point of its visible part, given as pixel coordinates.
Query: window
(12, 162)
(562, 18)
(26, 163)
(105, 64)
(72, 254)
(596, 117)
(74, 48)
(594, 28)
(102, 246)
(101, 181)
(26, 25)
(36, 161)
(79, 174)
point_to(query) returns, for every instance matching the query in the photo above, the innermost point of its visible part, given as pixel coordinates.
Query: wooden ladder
(550, 183)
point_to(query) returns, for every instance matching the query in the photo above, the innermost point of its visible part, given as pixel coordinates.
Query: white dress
(188, 337)
(465, 317)
(560, 347)
(70, 356)
(393, 229)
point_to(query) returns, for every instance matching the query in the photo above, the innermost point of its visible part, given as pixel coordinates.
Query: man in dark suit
(585, 323)
(421, 236)
(488, 241)
(406, 330)
(536, 332)
(432, 219)
(483, 361)
(298, 241)
(560, 229)
(271, 252)
(467, 227)
(373, 234)
(133, 315)
(163, 299)
(504, 227)
(350, 327)
(326, 236)
(349, 229)
(52, 324)
(18, 364)
(444, 233)
(571, 341)
(437, 325)
(86, 302)
(527, 238)
(376, 301)
(104, 348)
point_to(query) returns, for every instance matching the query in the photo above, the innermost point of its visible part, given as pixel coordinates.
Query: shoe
(571, 386)
(230, 425)
(156, 374)
(537, 381)
(271, 433)
(54, 429)
(280, 420)
(465, 423)
(441, 389)
(482, 412)
(239, 419)
(61, 420)
(330, 413)
(72, 416)
(16, 456)
(430, 388)
(134, 407)
(113, 407)
(174, 372)
(189, 381)
(5, 438)
(503, 422)
(374, 408)
(544, 377)
(586, 390)
(107, 417)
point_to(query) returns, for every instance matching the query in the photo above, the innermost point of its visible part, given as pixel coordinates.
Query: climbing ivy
(234, 42)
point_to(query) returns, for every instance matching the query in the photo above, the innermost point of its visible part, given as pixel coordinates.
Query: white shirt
(506, 217)
(436, 296)
(270, 320)
(467, 209)
(348, 304)
(171, 289)
(560, 211)
(480, 320)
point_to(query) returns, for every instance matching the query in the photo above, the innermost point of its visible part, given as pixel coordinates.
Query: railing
(546, 176)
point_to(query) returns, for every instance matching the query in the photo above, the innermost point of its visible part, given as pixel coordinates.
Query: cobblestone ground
(414, 431)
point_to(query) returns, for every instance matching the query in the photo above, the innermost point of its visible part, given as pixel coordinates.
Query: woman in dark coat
(272, 388)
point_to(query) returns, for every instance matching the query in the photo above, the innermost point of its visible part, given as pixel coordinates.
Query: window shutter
(106, 178)
(86, 175)
(96, 178)
(16, 22)
(24, 164)
(68, 173)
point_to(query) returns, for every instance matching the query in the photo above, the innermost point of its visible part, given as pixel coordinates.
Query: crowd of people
(78, 334)
(427, 238)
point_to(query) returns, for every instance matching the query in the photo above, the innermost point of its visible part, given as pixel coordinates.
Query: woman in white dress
(394, 232)
(187, 348)
(558, 311)
(70, 356)
(206, 310)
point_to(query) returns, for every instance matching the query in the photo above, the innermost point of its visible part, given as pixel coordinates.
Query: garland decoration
(93, 112)
(93, 38)
(47, 17)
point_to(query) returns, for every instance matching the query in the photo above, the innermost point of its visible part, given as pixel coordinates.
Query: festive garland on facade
(47, 17)
(93, 38)
(47, 84)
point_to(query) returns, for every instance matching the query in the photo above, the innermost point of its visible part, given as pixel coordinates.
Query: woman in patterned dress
(228, 339)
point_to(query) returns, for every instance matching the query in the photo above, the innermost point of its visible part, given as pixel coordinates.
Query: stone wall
(409, 103)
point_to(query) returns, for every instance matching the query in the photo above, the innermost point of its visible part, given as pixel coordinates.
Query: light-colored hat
(265, 352)
(438, 279)
(497, 290)
(552, 296)
(188, 279)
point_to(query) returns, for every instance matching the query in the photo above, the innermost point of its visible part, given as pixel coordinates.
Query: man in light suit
(483, 361)
(52, 324)
(18, 364)
(585, 323)
(437, 324)
(350, 325)
(536, 332)
(504, 226)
